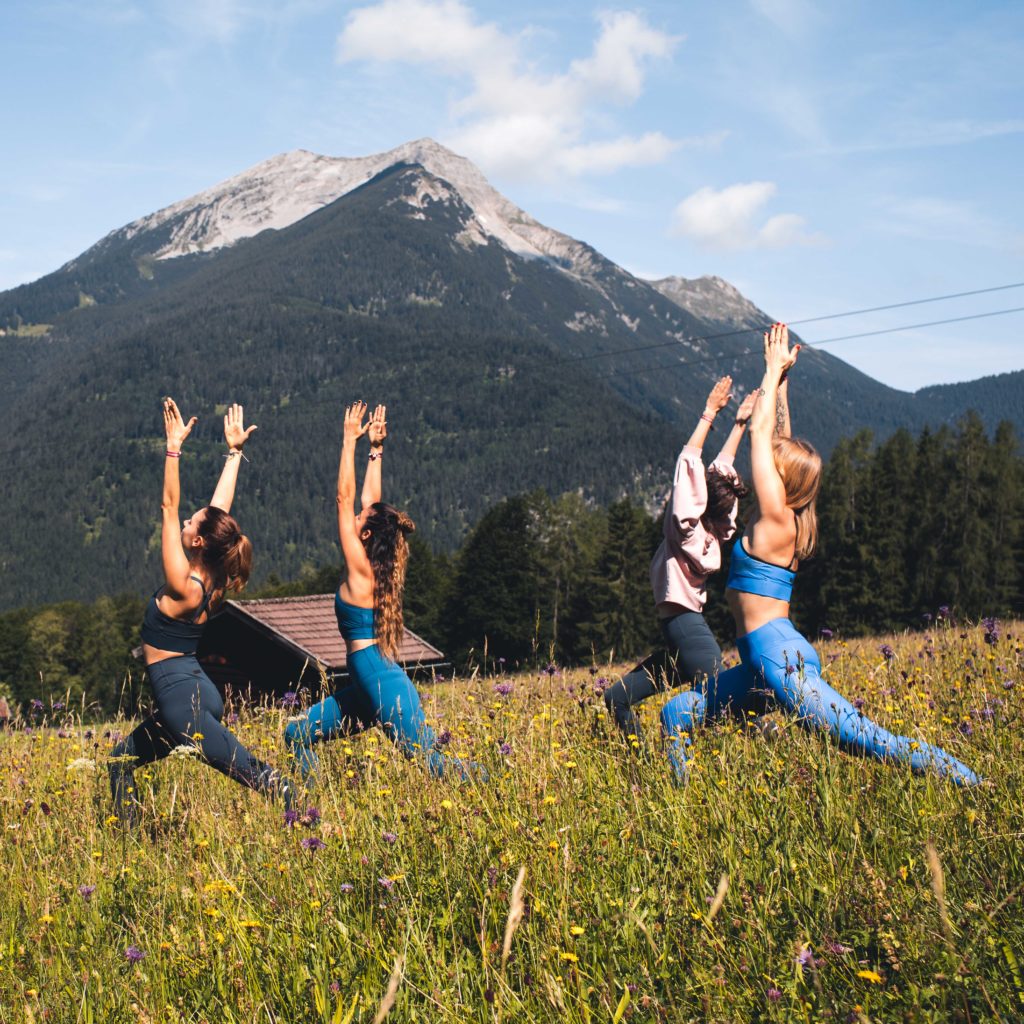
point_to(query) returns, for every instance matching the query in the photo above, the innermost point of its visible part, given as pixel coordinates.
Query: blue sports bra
(355, 623)
(179, 635)
(752, 575)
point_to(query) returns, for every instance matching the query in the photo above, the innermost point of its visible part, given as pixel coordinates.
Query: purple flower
(805, 958)
(346, 887)
(59, 706)
(86, 891)
(943, 611)
(387, 883)
(445, 738)
(311, 817)
(991, 630)
(506, 748)
(389, 837)
(290, 700)
(37, 705)
(774, 995)
(133, 954)
(837, 948)
(503, 689)
(551, 669)
(1007, 684)
(492, 877)
(858, 702)
(290, 817)
(232, 719)
(926, 618)
(887, 652)
(501, 661)
(966, 728)
(825, 633)
(312, 843)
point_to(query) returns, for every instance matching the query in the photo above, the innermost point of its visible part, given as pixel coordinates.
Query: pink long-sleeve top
(689, 552)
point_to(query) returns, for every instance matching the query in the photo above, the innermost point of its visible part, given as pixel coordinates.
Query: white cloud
(513, 118)
(727, 219)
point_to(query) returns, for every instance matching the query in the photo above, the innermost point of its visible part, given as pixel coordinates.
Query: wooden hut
(275, 645)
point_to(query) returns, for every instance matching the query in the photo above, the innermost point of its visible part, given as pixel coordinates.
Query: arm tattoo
(780, 415)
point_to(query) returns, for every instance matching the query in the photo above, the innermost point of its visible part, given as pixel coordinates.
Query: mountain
(511, 357)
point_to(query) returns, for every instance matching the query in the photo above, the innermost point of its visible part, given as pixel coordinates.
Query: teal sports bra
(752, 575)
(354, 623)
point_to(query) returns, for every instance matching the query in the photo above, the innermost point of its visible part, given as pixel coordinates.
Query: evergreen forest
(914, 531)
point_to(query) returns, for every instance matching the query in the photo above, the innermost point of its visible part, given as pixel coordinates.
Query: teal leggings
(378, 693)
(779, 663)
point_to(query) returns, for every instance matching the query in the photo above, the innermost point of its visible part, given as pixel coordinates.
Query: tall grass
(786, 881)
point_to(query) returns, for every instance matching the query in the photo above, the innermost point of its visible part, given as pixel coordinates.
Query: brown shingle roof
(308, 625)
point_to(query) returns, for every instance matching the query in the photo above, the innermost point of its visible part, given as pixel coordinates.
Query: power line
(827, 341)
(792, 323)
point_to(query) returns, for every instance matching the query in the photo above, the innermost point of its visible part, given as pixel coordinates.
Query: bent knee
(296, 734)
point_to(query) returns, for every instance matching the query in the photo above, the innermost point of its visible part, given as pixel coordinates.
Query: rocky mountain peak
(711, 298)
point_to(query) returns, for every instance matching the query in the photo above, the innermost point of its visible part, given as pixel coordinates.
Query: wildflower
(859, 702)
(503, 689)
(887, 652)
(445, 738)
(991, 630)
(36, 705)
(805, 958)
(86, 891)
(387, 883)
(837, 948)
(250, 924)
(966, 728)
(551, 800)
(506, 748)
(312, 843)
(571, 957)
(774, 995)
(133, 954)
(389, 837)
(346, 887)
(290, 699)
(290, 817)
(825, 633)
(576, 930)
(447, 804)
(551, 669)
(943, 612)
(873, 976)
(311, 817)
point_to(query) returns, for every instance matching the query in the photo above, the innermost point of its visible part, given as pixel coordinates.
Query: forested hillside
(503, 374)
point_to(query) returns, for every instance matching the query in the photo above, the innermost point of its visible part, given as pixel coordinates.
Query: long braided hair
(388, 552)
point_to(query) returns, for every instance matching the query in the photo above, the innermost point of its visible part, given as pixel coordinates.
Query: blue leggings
(378, 693)
(778, 663)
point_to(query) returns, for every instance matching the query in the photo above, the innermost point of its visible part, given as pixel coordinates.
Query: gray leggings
(189, 711)
(691, 656)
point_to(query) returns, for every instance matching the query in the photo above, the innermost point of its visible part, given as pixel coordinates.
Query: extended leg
(800, 688)
(148, 742)
(647, 679)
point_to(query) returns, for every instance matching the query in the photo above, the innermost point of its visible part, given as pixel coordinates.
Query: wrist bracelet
(172, 455)
(232, 452)
(375, 455)
(706, 418)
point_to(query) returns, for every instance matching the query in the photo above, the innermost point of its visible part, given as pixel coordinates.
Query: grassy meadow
(786, 881)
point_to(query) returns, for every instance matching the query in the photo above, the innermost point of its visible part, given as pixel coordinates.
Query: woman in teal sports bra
(368, 605)
(775, 658)
(203, 559)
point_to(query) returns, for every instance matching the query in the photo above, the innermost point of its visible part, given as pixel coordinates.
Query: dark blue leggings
(779, 663)
(378, 693)
(691, 656)
(188, 713)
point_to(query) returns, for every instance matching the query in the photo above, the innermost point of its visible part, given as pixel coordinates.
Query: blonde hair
(388, 551)
(799, 466)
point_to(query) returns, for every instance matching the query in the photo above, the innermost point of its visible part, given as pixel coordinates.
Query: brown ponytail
(226, 553)
(799, 465)
(388, 552)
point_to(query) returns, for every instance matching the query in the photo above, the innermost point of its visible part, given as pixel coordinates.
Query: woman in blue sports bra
(775, 658)
(203, 560)
(368, 605)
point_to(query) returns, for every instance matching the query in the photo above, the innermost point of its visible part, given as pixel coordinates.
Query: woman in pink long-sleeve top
(700, 517)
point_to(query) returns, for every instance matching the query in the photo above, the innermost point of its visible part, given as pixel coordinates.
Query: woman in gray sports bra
(203, 559)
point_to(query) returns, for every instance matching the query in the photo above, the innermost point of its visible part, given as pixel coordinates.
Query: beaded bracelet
(374, 455)
(172, 455)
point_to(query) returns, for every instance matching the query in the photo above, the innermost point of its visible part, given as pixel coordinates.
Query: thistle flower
(312, 843)
(290, 699)
(774, 995)
(86, 891)
(133, 954)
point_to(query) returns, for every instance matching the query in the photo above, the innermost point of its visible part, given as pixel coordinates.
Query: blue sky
(821, 157)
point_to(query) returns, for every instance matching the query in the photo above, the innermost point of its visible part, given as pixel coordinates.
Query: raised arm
(377, 430)
(782, 427)
(235, 435)
(732, 442)
(356, 561)
(717, 400)
(175, 561)
(768, 486)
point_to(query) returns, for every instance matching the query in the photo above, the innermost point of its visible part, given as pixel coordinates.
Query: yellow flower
(570, 764)
(447, 804)
(873, 976)
(212, 912)
(197, 736)
(571, 957)
(576, 930)
(250, 924)
(111, 819)
(551, 800)
(553, 845)
(46, 919)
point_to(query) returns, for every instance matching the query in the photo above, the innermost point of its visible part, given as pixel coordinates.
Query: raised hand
(720, 394)
(354, 426)
(378, 426)
(746, 408)
(779, 358)
(234, 431)
(175, 427)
